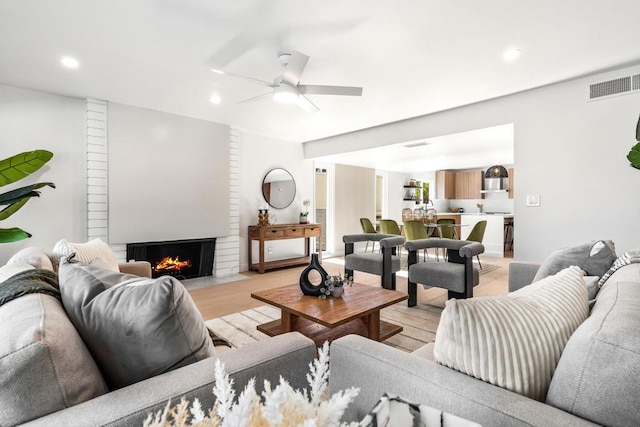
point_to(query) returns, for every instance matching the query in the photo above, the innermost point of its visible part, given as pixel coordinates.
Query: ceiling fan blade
(256, 98)
(295, 67)
(306, 105)
(330, 90)
(240, 76)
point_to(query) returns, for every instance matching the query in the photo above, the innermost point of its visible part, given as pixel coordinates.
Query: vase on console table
(306, 286)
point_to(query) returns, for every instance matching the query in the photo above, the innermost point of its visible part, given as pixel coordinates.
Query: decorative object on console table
(304, 215)
(263, 217)
(306, 286)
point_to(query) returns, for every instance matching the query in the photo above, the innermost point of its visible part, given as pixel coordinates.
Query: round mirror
(278, 188)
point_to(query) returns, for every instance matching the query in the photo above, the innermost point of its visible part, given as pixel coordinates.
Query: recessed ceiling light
(69, 62)
(215, 99)
(217, 71)
(511, 54)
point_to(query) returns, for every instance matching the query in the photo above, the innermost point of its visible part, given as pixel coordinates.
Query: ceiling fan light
(285, 93)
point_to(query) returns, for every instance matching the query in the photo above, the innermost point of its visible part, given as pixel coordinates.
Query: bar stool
(508, 234)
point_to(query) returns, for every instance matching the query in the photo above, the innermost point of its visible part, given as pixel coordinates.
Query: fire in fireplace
(183, 259)
(170, 265)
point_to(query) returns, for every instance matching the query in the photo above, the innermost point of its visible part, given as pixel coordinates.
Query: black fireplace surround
(196, 254)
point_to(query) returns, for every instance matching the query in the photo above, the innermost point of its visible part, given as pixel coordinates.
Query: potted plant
(14, 169)
(334, 286)
(305, 214)
(634, 154)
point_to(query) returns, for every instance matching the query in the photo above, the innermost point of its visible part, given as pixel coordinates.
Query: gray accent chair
(384, 264)
(458, 274)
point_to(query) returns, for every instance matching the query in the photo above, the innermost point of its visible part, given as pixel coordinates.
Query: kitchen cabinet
(510, 183)
(445, 185)
(468, 185)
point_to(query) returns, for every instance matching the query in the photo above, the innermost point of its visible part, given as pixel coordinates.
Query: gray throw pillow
(594, 258)
(135, 327)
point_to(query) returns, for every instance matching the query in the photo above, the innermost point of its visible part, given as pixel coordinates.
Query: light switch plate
(533, 200)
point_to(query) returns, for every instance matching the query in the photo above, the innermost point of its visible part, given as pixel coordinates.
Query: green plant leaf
(634, 156)
(28, 191)
(8, 235)
(638, 130)
(21, 165)
(13, 208)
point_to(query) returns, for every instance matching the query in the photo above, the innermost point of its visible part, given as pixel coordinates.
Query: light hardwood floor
(226, 298)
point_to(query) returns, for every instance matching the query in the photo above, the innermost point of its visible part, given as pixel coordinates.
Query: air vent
(417, 144)
(611, 87)
(635, 82)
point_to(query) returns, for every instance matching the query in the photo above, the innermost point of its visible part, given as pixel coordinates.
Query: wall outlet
(269, 251)
(533, 200)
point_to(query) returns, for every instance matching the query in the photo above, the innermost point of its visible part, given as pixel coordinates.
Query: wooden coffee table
(357, 312)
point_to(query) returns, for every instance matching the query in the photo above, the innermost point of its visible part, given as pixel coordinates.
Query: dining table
(439, 227)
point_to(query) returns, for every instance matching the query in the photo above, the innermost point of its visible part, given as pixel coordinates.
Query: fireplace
(183, 259)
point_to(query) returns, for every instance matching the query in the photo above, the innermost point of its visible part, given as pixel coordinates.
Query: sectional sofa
(595, 381)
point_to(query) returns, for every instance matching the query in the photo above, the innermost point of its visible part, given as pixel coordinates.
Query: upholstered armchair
(458, 274)
(384, 264)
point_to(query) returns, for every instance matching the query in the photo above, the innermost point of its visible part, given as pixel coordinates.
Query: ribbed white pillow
(88, 252)
(514, 341)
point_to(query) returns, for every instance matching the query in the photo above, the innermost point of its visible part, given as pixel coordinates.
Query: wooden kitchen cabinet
(510, 183)
(468, 185)
(445, 185)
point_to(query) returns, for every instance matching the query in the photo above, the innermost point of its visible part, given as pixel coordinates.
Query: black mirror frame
(295, 188)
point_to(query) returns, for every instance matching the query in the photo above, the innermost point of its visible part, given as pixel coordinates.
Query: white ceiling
(412, 57)
(465, 150)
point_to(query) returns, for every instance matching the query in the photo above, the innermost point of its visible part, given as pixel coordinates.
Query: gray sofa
(48, 376)
(595, 382)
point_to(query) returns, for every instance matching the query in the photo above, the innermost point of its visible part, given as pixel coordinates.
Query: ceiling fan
(286, 88)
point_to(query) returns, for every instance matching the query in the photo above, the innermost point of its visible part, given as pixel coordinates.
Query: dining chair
(367, 227)
(415, 230)
(446, 231)
(476, 235)
(390, 226)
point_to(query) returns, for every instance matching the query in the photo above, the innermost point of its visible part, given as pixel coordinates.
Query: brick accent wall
(227, 260)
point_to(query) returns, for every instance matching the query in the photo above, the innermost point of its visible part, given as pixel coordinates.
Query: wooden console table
(281, 232)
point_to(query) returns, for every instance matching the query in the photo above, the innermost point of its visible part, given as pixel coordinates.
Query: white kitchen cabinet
(493, 239)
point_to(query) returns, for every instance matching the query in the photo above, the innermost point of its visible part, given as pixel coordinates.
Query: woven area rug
(419, 325)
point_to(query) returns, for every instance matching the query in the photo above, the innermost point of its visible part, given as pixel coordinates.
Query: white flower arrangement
(333, 282)
(282, 406)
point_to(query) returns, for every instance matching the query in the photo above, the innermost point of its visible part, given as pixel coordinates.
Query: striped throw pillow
(514, 341)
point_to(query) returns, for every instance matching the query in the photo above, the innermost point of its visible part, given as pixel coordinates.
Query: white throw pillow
(514, 341)
(36, 257)
(88, 252)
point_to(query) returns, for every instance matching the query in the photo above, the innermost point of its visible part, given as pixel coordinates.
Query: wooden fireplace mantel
(281, 232)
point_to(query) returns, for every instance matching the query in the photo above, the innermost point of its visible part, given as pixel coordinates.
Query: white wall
(258, 155)
(393, 195)
(569, 151)
(355, 198)
(168, 176)
(32, 120)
